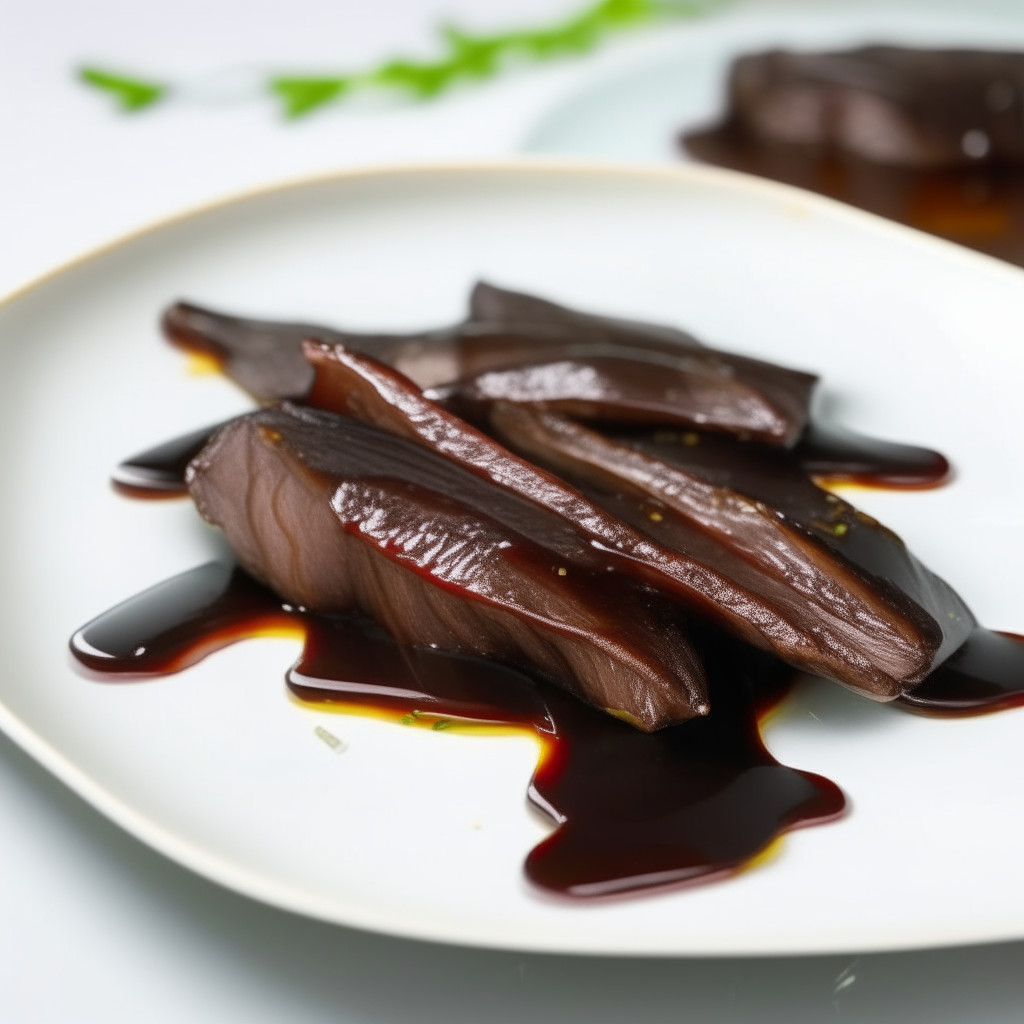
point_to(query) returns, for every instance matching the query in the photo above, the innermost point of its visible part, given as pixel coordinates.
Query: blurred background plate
(637, 110)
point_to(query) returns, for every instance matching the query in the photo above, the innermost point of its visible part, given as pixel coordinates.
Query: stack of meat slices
(565, 493)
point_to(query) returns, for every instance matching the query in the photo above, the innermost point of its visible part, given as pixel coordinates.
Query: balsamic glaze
(835, 455)
(160, 472)
(980, 207)
(830, 454)
(986, 674)
(634, 810)
(178, 622)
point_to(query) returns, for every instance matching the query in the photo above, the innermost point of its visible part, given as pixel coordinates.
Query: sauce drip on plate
(634, 810)
(979, 207)
(160, 472)
(829, 454)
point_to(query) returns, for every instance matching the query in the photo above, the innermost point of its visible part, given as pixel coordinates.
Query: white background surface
(93, 927)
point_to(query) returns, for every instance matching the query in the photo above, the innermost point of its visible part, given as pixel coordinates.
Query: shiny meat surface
(890, 105)
(796, 599)
(857, 606)
(700, 385)
(335, 515)
(590, 366)
(625, 389)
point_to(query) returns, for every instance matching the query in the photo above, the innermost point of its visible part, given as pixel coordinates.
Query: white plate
(635, 109)
(421, 833)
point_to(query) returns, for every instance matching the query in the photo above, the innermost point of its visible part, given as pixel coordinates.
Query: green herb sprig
(131, 93)
(466, 57)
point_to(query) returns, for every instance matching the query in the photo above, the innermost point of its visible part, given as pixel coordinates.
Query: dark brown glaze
(829, 454)
(616, 389)
(834, 455)
(933, 139)
(824, 616)
(781, 396)
(668, 373)
(160, 472)
(634, 811)
(685, 805)
(856, 606)
(986, 674)
(179, 622)
(779, 481)
(886, 104)
(336, 515)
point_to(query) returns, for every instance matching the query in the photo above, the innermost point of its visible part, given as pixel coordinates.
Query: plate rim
(521, 163)
(222, 869)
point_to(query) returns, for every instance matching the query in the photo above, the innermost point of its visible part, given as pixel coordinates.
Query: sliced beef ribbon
(885, 104)
(265, 357)
(843, 576)
(335, 515)
(519, 348)
(681, 378)
(590, 366)
(613, 388)
(770, 581)
(771, 478)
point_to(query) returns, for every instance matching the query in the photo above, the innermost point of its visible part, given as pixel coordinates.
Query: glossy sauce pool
(633, 811)
(829, 454)
(980, 207)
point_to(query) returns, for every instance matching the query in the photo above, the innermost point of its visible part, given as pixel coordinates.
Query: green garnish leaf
(465, 57)
(441, 724)
(471, 56)
(420, 79)
(131, 93)
(303, 95)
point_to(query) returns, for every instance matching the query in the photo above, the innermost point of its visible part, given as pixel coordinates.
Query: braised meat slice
(885, 104)
(613, 388)
(795, 598)
(590, 366)
(779, 395)
(843, 574)
(489, 304)
(265, 357)
(335, 515)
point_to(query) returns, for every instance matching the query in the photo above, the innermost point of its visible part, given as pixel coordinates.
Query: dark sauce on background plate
(979, 207)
